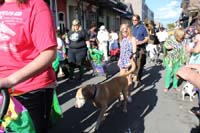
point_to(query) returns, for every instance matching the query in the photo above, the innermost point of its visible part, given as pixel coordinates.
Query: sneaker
(165, 90)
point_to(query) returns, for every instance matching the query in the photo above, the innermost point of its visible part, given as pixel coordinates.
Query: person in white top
(162, 36)
(103, 37)
(113, 41)
(61, 52)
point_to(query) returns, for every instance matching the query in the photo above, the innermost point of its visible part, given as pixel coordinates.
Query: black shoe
(196, 111)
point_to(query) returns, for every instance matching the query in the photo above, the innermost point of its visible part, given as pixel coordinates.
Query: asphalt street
(151, 111)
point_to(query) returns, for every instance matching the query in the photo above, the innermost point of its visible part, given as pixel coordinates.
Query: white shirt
(113, 37)
(103, 36)
(60, 49)
(162, 36)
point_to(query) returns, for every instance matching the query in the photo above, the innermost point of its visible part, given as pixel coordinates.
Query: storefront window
(90, 18)
(61, 18)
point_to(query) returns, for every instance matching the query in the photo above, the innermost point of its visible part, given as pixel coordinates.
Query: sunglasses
(76, 25)
(134, 20)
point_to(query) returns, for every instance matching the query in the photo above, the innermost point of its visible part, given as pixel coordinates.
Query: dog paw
(121, 97)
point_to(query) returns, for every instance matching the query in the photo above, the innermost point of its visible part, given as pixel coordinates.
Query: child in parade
(127, 49)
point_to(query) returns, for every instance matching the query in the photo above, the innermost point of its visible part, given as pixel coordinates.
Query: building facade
(110, 13)
(190, 11)
(142, 9)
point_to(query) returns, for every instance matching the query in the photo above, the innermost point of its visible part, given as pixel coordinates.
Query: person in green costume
(96, 57)
(174, 57)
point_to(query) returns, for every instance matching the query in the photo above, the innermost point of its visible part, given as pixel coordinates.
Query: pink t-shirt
(25, 31)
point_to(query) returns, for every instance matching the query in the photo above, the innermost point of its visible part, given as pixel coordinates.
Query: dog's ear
(88, 91)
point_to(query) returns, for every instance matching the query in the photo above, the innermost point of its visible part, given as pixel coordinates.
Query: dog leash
(107, 78)
(95, 91)
(133, 58)
(132, 54)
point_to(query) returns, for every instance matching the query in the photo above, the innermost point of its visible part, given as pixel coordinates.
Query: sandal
(178, 89)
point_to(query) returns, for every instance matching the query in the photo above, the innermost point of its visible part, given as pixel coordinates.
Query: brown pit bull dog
(105, 93)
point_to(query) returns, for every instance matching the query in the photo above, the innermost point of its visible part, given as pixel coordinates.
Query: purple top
(126, 49)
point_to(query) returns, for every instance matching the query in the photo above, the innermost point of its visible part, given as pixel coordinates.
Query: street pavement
(151, 111)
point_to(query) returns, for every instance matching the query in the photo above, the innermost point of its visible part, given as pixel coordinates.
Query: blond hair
(125, 25)
(76, 22)
(179, 34)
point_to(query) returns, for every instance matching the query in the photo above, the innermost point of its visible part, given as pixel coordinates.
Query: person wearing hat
(77, 52)
(103, 37)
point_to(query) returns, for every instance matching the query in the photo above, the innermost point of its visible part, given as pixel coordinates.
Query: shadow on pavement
(195, 130)
(83, 120)
(144, 101)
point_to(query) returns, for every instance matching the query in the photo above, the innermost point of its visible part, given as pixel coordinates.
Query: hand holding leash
(5, 102)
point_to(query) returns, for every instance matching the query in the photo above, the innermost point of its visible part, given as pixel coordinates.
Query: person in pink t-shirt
(27, 50)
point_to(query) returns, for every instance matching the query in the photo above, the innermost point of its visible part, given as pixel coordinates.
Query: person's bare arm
(143, 41)
(133, 40)
(39, 64)
(87, 44)
(194, 66)
(196, 49)
(190, 75)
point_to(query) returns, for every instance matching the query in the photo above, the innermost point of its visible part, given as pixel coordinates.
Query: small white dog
(188, 88)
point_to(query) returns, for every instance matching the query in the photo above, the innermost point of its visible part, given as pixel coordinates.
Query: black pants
(38, 103)
(140, 62)
(76, 58)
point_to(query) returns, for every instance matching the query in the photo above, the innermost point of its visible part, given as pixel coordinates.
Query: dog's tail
(132, 69)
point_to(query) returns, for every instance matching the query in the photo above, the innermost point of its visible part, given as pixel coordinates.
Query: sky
(165, 11)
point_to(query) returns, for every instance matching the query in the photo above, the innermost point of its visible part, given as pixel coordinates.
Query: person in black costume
(77, 52)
